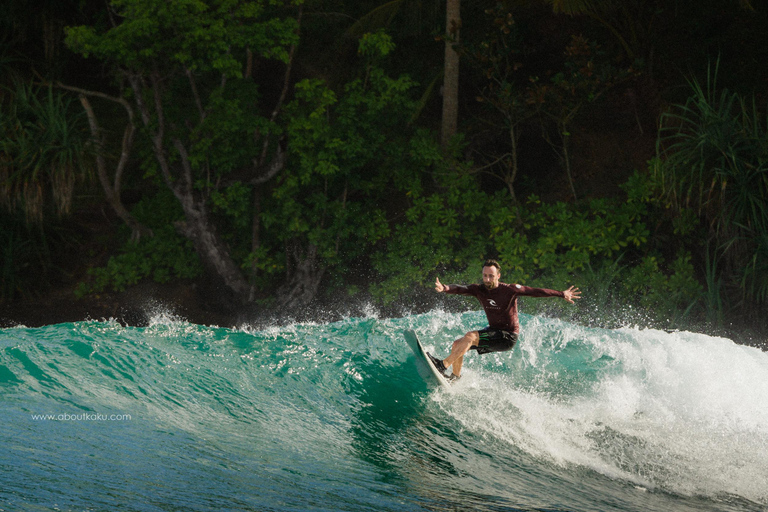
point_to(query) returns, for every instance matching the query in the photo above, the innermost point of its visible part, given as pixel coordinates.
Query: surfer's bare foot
(452, 377)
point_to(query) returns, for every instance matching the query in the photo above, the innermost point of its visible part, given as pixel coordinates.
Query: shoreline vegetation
(234, 161)
(146, 303)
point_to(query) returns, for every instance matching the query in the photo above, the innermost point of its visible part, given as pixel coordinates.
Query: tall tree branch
(195, 95)
(111, 188)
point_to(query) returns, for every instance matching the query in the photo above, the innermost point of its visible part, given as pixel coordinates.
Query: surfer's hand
(571, 293)
(439, 287)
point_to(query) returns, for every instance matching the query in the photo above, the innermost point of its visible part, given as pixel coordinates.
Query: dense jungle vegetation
(281, 155)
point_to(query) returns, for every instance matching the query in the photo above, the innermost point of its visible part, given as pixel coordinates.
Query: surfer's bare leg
(460, 347)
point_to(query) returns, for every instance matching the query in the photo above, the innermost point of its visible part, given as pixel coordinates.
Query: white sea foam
(682, 412)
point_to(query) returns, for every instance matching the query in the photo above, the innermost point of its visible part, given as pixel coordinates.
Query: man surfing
(499, 302)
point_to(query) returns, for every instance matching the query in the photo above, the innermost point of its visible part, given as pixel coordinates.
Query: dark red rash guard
(500, 304)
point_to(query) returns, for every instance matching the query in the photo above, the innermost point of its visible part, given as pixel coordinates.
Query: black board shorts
(495, 340)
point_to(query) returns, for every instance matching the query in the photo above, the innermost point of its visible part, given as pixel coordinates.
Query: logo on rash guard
(492, 303)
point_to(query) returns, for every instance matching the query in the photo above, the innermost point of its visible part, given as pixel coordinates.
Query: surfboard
(427, 371)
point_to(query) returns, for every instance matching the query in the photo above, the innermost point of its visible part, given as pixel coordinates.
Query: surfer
(499, 301)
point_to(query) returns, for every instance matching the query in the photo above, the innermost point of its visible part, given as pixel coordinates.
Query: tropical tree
(184, 65)
(383, 17)
(345, 158)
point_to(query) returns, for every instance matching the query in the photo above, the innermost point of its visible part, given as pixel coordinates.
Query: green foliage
(540, 238)
(344, 155)
(376, 45)
(713, 162)
(669, 297)
(42, 150)
(162, 257)
(188, 67)
(43, 154)
(223, 141)
(234, 202)
(715, 151)
(196, 35)
(443, 231)
(362, 183)
(449, 231)
(199, 47)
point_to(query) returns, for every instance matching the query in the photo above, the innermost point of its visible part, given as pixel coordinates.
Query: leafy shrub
(447, 233)
(162, 257)
(669, 298)
(165, 256)
(713, 164)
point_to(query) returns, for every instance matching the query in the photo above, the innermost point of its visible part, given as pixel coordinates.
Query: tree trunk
(200, 229)
(451, 77)
(304, 274)
(565, 137)
(197, 226)
(213, 253)
(514, 136)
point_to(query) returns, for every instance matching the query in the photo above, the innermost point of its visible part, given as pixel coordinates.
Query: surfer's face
(491, 277)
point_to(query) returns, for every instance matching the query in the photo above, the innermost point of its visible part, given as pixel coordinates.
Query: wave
(334, 416)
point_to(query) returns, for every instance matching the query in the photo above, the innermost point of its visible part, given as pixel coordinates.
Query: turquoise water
(175, 416)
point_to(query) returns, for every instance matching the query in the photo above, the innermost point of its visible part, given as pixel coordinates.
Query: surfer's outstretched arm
(439, 287)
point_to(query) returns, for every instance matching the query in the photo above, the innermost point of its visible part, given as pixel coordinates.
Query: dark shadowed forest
(243, 161)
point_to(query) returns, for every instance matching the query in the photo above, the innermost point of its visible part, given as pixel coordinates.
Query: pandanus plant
(43, 150)
(713, 153)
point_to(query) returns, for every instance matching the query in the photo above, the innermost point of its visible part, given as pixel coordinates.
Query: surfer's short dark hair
(492, 263)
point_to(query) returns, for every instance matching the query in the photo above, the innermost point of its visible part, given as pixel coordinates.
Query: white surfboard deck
(426, 369)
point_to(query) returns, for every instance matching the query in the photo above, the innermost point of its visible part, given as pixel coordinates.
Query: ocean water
(175, 416)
